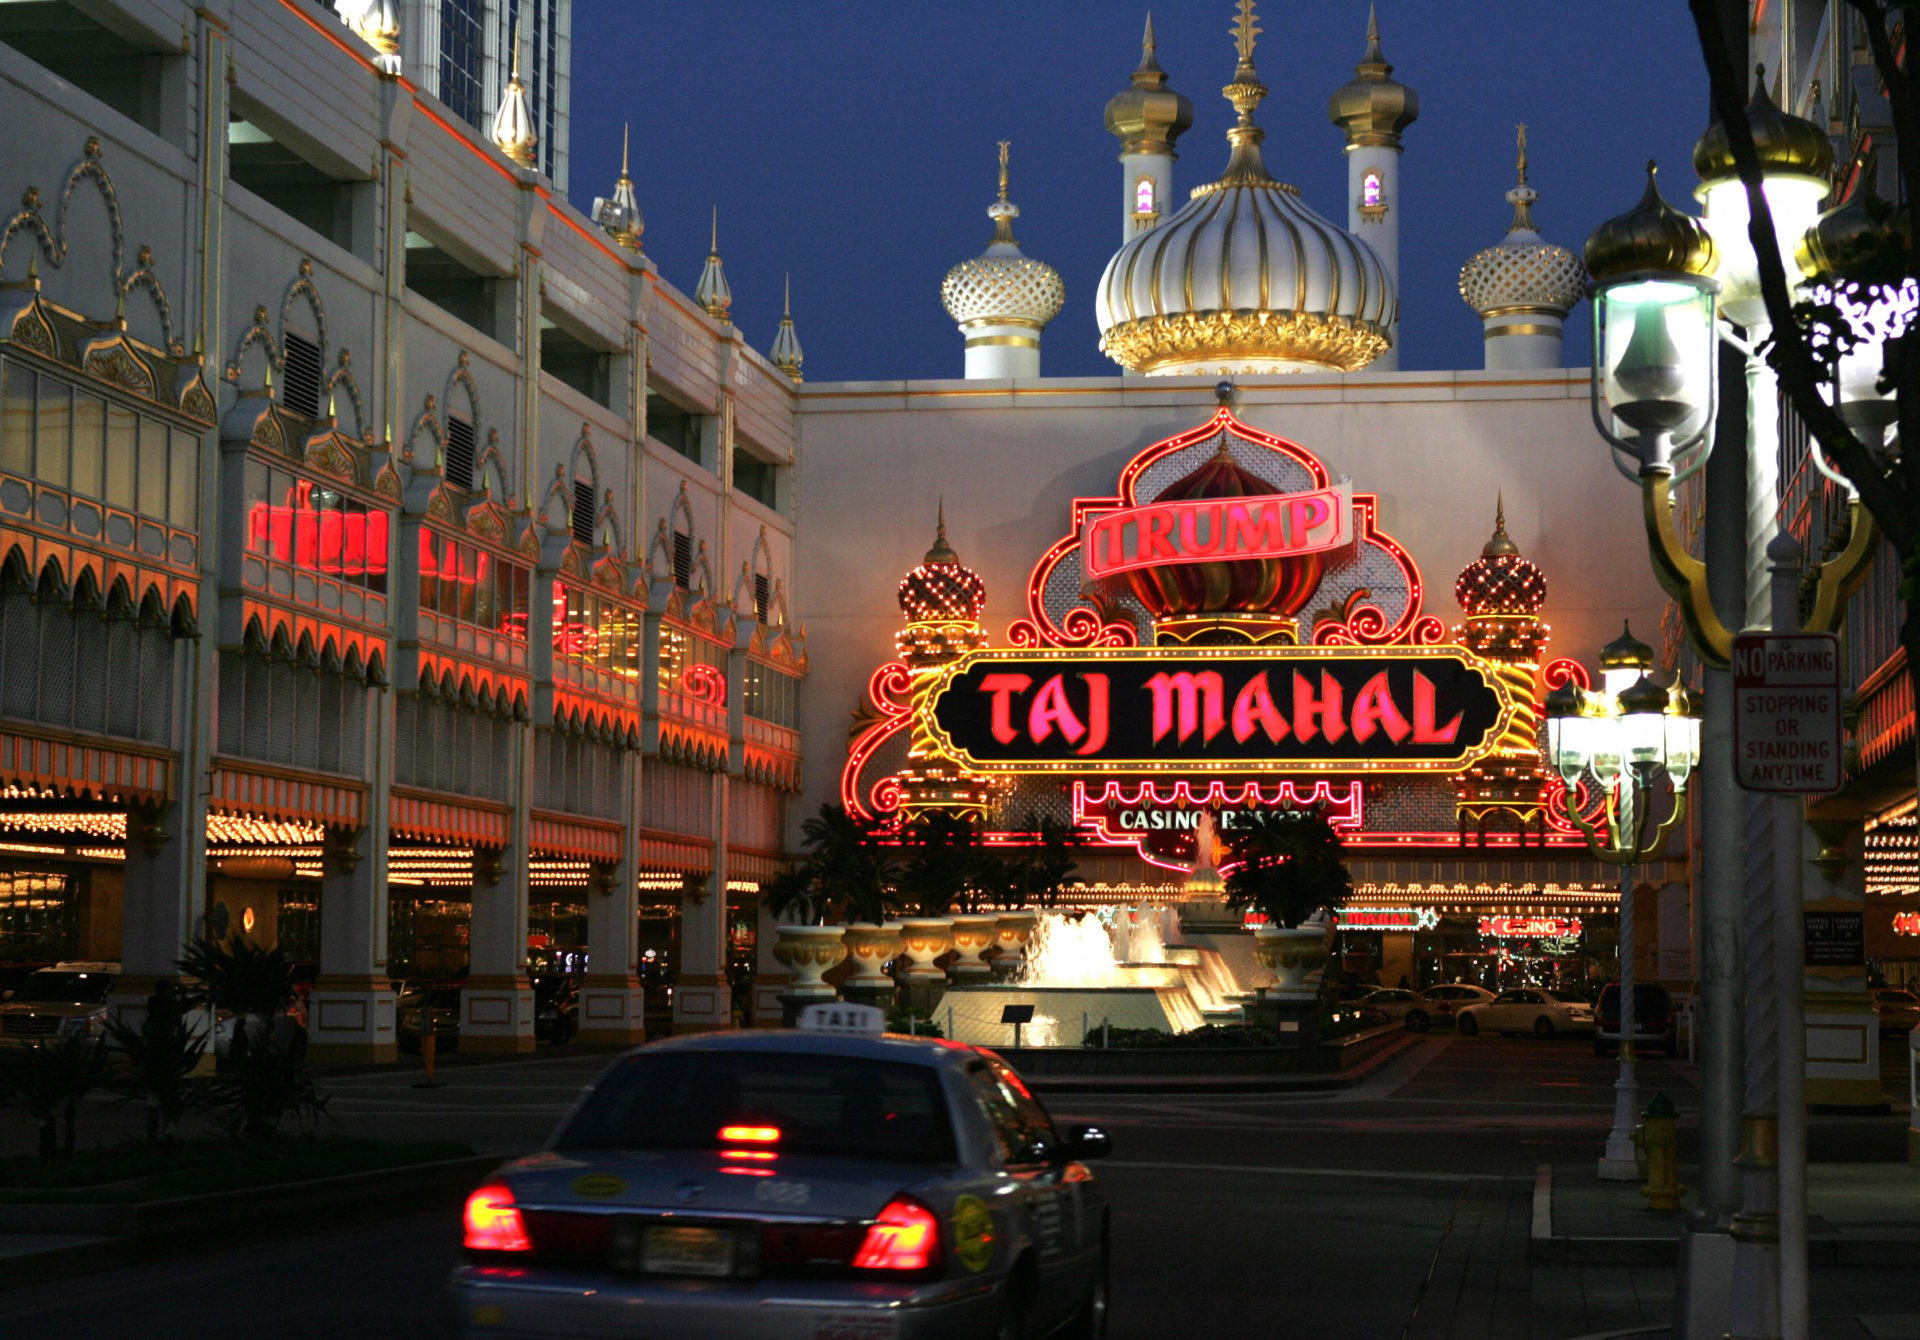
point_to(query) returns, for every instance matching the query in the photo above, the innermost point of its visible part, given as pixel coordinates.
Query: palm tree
(945, 865)
(1289, 865)
(161, 1055)
(845, 869)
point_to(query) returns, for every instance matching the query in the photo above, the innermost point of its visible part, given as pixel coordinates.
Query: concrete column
(1373, 216)
(1002, 349)
(165, 874)
(497, 1005)
(702, 996)
(1843, 1029)
(771, 977)
(1157, 171)
(350, 1015)
(612, 1002)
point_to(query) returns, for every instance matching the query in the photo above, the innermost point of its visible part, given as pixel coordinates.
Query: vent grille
(583, 512)
(683, 560)
(300, 379)
(762, 597)
(458, 466)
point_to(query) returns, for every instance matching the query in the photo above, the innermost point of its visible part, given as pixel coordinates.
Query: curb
(1073, 1085)
(145, 1232)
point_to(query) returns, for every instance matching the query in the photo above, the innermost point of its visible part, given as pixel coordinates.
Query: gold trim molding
(1332, 342)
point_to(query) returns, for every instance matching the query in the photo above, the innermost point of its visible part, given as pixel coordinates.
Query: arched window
(1372, 192)
(1144, 199)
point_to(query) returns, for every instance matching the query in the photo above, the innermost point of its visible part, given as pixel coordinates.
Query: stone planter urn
(871, 948)
(925, 939)
(973, 934)
(1290, 955)
(1012, 931)
(809, 951)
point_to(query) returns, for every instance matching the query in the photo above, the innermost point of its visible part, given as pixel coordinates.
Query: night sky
(853, 144)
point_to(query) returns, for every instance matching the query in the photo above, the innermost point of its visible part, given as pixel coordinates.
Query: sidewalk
(1863, 1242)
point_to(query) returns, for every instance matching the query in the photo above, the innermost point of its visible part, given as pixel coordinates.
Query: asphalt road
(1346, 1214)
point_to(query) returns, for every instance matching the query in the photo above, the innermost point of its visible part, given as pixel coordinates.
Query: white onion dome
(1003, 286)
(1524, 272)
(1246, 278)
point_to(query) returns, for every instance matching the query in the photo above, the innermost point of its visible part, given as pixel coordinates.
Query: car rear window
(843, 1106)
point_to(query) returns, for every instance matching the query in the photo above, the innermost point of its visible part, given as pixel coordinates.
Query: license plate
(676, 1249)
(855, 1326)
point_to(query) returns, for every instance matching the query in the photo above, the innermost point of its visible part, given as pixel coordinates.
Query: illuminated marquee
(1529, 928)
(1386, 918)
(1205, 530)
(1202, 710)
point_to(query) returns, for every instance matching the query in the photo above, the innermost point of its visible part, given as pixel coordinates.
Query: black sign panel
(1144, 709)
(1836, 939)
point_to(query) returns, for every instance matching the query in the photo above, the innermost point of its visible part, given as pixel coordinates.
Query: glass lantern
(1654, 379)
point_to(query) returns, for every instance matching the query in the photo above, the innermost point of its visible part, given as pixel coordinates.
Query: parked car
(414, 1002)
(1530, 1009)
(556, 1008)
(1898, 1008)
(1438, 1004)
(1654, 1024)
(796, 1184)
(1388, 1004)
(58, 1002)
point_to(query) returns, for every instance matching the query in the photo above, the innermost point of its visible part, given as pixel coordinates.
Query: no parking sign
(1786, 712)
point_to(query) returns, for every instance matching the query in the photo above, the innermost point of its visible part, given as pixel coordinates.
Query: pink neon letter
(1326, 710)
(1374, 709)
(1050, 708)
(1097, 690)
(1423, 728)
(1002, 687)
(1253, 709)
(1190, 688)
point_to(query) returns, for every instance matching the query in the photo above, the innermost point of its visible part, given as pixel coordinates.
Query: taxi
(824, 1183)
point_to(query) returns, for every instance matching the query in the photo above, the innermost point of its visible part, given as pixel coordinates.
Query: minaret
(1147, 118)
(942, 601)
(1524, 287)
(1373, 109)
(513, 122)
(713, 292)
(785, 352)
(1002, 299)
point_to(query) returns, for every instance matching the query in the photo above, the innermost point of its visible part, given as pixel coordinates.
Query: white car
(1532, 1010)
(1439, 1004)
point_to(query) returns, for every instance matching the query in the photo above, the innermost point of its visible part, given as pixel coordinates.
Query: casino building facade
(395, 566)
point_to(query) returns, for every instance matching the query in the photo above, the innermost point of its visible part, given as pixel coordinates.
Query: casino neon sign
(1386, 918)
(1205, 530)
(1142, 710)
(1529, 928)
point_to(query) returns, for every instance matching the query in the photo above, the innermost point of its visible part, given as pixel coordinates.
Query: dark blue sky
(851, 142)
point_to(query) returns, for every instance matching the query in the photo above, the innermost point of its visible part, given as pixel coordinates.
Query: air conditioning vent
(762, 597)
(683, 560)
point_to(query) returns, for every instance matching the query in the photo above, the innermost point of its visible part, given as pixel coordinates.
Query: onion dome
(620, 214)
(1500, 582)
(1525, 270)
(1275, 586)
(1786, 145)
(1626, 652)
(1148, 117)
(1375, 107)
(942, 589)
(1245, 278)
(713, 292)
(1653, 235)
(513, 123)
(1003, 286)
(785, 352)
(1864, 235)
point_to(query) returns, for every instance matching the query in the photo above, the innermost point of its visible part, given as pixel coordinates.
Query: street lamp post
(1655, 245)
(1626, 735)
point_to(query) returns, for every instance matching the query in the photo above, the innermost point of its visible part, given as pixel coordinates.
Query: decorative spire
(1374, 107)
(1147, 116)
(786, 344)
(1244, 94)
(1501, 544)
(620, 215)
(1149, 75)
(942, 552)
(1003, 211)
(1374, 55)
(513, 123)
(1522, 196)
(713, 293)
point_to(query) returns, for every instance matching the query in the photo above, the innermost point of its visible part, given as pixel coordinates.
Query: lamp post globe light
(1694, 284)
(1626, 734)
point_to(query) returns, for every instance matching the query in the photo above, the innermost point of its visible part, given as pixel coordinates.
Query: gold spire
(1373, 108)
(1522, 196)
(785, 352)
(942, 552)
(713, 293)
(1147, 116)
(1003, 211)
(1501, 544)
(1245, 93)
(1149, 65)
(513, 123)
(620, 216)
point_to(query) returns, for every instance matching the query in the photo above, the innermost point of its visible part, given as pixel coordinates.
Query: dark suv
(1653, 1020)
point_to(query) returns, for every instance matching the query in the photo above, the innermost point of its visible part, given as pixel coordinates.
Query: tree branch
(1799, 377)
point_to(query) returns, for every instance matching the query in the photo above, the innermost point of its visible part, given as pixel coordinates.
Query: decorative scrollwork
(1565, 670)
(704, 683)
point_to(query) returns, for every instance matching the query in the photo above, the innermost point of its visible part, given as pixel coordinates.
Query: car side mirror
(1087, 1142)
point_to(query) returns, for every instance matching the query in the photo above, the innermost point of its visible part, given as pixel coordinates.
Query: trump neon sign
(1207, 530)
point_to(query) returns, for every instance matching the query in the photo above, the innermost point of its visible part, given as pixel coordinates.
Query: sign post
(1786, 712)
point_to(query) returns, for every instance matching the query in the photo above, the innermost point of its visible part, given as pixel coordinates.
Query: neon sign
(1530, 928)
(1139, 709)
(1906, 923)
(1206, 530)
(1386, 918)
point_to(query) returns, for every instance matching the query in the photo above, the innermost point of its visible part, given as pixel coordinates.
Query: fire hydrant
(1660, 1138)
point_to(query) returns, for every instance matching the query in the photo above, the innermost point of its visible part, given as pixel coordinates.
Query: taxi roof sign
(837, 1016)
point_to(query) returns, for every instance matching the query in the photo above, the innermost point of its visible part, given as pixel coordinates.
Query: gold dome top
(713, 292)
(1626, 652)
(1786, 144)
(1246, 277)
(1864, 233)
(1653, 235)
(1003, 285)
(1374, 108)
(1148, 117)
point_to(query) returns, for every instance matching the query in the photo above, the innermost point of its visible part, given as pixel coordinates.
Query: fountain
(1082, 974)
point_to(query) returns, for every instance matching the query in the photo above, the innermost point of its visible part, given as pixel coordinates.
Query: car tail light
(905, 1236)
(750, 1135)
(493, 1222)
